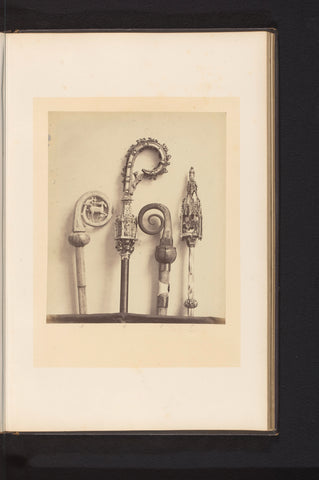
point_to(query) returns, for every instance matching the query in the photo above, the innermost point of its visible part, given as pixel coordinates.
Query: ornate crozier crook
(165, 252)
(93, 209)
(191, 231)
(126, 223)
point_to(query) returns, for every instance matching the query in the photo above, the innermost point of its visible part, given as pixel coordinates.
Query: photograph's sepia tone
(141, 237)
(158, 282)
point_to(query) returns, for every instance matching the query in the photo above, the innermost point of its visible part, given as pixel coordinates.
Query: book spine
(2, 172)
(272, 235)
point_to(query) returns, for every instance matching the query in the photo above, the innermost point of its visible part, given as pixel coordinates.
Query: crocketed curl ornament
(126, 223)
(131, 178)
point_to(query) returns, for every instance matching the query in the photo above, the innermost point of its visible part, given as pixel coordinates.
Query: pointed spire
(191, 216)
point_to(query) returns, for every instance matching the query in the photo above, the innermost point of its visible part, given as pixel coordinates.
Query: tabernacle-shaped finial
(191, 216)
(191, 231)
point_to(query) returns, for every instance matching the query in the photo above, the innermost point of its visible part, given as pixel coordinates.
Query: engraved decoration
(95, 211)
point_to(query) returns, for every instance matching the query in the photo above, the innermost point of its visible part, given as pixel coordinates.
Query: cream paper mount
(72, 111)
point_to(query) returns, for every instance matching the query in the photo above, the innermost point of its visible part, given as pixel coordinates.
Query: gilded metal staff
(126, 223)
(93, 209)
(191, 231)
(165, 252)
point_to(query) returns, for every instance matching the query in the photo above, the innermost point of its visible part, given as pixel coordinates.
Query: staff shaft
(163, 288)
(81, 280)
(190, 288)
(125, 264)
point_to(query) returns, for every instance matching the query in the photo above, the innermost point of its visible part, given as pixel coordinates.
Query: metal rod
(125, 265)
(126, 223)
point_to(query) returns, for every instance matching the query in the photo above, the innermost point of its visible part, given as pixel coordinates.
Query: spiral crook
(165, 252)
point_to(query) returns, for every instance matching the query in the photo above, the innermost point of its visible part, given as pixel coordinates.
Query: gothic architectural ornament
(191, 231)
(93, 209)
(165, 252)
(126, 223)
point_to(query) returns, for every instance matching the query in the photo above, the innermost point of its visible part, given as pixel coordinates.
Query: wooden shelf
(130, 318)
